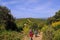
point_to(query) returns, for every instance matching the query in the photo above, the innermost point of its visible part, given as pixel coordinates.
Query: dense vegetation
(8, 27)
(16, 29)
(51, 31)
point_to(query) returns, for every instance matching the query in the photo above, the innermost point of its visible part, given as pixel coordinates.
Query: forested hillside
(30, 20)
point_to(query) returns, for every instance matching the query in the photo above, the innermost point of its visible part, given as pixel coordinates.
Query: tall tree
(55, 18)
(6, 18)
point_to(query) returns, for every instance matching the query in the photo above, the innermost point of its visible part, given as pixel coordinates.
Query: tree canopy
(55, 18)
(6, 18)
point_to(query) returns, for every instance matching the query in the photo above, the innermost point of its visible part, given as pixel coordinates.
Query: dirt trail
(39, 37)
(35, 38)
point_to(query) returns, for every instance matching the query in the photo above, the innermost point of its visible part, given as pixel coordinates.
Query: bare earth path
(35, 38)
(39, 37)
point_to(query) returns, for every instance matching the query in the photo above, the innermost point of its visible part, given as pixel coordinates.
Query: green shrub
(26, 30)
(2, 27)
(10, 35)
(57, 35)
(56, 25)
(47, 33)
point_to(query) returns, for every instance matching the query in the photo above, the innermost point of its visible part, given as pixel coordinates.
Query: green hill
(38, 21)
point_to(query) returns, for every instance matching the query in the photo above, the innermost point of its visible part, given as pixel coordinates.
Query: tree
(7, 19)
(55, 18)
(34, 26)
(57, 15)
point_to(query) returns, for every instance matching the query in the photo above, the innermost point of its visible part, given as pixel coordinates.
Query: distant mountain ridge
(21, 21)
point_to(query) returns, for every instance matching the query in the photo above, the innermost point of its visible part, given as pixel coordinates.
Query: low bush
(57, 35)
(47, 33)
(56, 25)
(10, 35)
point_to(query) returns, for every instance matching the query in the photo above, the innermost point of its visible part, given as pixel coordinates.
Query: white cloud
(45, 7)
(18, 1)
(42, 9)
(26, 7)
(37, 9)
(9, 2)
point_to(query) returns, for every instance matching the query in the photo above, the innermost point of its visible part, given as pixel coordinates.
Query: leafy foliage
(26, 29)
(57, 35)
(7, 19)
(56, 25)
(10, 35)
(55, 18)
(47, 33)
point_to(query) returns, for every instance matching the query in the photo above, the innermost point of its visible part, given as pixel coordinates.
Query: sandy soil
(39, 37)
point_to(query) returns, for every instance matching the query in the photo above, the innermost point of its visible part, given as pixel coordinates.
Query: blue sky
(32, 8)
